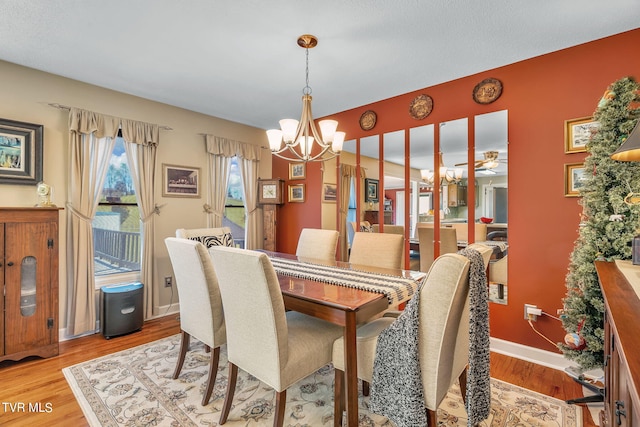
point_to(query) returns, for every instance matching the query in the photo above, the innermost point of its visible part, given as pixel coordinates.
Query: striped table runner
(396, 289)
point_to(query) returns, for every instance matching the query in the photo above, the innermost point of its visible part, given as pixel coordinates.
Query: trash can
(121, 309)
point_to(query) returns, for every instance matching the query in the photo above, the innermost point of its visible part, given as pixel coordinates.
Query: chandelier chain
(307, 89)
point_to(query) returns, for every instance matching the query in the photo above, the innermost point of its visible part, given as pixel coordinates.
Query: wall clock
(487, 91)
(270, 191)
(421, 107)
(368, 120)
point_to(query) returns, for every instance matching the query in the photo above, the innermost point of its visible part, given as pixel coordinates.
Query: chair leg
(211, 380)
(338, 397)
(184, 346)
(432, 418)
(462, 379)
(231, 389)
(207, 349)
(281, 402)
(365, 388)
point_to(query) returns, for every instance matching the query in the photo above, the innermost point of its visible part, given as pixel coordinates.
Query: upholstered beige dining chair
(382, 250)
(389, 228)
(218, 236)
(448, 244)
(318, 244)
(443, 343)
(201, 314)
(277, 347)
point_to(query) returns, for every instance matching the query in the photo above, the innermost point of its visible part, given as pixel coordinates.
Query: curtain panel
(91, 140)
(220, 151)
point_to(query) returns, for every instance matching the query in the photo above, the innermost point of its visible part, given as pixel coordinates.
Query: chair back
(448, 244)
(443, 315)
(318, 244)
(220, 236)
(382, 250)
(389, 228)
(485, 251)
(498, 270)
(201, 313)
(254, 312)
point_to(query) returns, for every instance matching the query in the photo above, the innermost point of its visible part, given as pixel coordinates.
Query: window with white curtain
(234, 208)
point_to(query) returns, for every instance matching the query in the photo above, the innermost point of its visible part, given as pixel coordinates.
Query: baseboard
(163, 311)
(530, 354)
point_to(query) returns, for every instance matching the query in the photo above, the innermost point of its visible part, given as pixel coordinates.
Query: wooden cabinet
(269, 226)
(29, 279)
(457, 195)
(621, 347)
(374, 217)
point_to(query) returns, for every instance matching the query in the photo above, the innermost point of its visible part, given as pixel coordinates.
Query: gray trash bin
(121, 309)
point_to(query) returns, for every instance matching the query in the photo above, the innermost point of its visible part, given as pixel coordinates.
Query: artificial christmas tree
(608, 222)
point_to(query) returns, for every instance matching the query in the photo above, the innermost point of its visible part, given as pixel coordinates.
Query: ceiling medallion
(421, 107)
(487, 91)
(368, 120)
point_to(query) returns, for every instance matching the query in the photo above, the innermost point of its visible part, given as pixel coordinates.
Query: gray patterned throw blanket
(396, 389)
(397, 289)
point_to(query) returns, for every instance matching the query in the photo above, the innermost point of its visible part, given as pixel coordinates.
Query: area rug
(134, 388)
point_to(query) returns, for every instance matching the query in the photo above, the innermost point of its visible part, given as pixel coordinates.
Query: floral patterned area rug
(134, 388)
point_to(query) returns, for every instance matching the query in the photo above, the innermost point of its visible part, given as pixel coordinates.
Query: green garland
(601, 237)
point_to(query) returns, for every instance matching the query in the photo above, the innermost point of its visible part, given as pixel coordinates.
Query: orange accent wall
(540, 94)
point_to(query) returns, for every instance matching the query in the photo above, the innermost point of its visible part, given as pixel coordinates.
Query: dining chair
(448, 244)
(277, 347)
(389, 228)
(382, 250)
(216, 236)
(485, 251)
(201, 314)
(443, 344)
(317, 243)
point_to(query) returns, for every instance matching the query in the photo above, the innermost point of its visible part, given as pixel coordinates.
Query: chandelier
(295, 139)
(446, 175)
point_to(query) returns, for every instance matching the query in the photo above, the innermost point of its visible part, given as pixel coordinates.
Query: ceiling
(239, 60)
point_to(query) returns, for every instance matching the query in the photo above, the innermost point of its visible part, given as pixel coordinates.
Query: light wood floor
(41, 380)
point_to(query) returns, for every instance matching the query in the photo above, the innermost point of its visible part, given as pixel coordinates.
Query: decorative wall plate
(487, 91)
(421, 107)
(368, 120)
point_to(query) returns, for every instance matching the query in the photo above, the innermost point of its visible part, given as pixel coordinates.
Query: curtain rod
(66, 107)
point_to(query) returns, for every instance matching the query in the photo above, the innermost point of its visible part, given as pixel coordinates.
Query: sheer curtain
(221, 150)
(347, 172)
(141, 141)
(91, 141)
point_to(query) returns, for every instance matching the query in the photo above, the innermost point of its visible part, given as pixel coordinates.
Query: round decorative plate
(487, 91)
(368, 120)
(421, 107)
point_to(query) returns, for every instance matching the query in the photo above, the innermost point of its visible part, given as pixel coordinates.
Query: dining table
(344, 294)
(500, 248)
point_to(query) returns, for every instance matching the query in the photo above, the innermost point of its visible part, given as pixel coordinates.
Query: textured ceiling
(239, 60)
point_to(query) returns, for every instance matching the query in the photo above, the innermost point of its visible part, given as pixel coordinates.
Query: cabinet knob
(10, 263)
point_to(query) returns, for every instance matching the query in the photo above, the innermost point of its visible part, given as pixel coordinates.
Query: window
(234, 211)
(116, 226)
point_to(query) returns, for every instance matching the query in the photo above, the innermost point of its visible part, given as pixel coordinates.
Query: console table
(620, 284)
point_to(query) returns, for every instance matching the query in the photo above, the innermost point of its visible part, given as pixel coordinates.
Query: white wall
(26, 94)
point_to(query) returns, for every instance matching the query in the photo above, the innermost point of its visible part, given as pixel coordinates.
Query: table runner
(396, 289)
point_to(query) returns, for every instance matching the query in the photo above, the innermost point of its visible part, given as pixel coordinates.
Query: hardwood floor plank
(40, 381)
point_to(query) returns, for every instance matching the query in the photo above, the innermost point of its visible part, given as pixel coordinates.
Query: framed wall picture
(180, 181)
(329, 193)
(297, 171)
(574, 179)
(370, 190)
(296, 193)
(20, 152)
(577, 133)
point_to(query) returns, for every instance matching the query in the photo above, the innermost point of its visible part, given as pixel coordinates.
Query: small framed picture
(329, 193)
(370, 190)
(296, 193)
(20, 152)
(574, 179)
(296, 170)
(180, 181)
(577, 133)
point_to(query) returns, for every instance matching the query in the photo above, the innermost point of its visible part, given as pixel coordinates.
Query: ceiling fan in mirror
(490, 161)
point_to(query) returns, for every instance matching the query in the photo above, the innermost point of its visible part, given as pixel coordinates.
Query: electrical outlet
(168, 281)
(527, 311)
